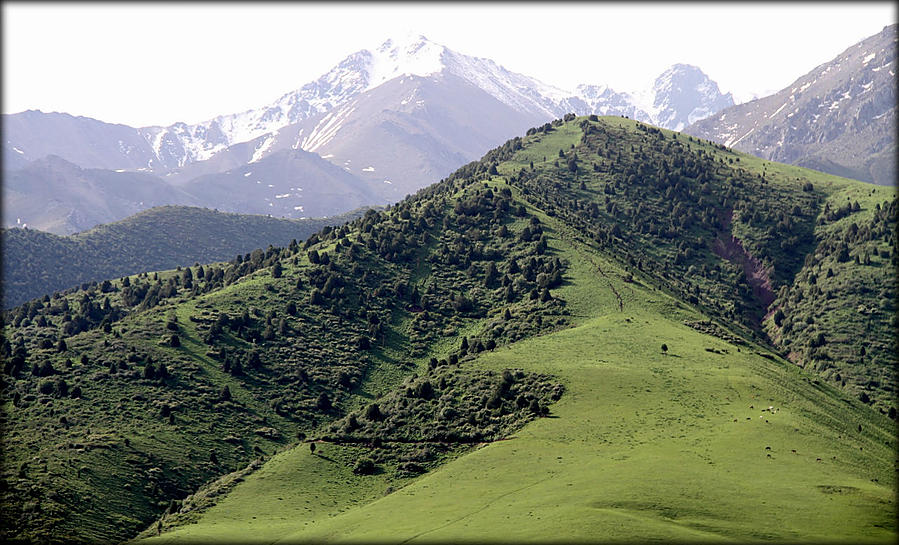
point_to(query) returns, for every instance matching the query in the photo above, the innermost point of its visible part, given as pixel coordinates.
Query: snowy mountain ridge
(415, 55)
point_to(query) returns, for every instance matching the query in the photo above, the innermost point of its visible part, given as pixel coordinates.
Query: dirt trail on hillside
(731, 248)
(617, 295)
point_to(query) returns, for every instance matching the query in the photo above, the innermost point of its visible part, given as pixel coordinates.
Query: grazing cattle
(818, 460)
(752, 406)
(769, 448)
(793, 451)
(768, 455)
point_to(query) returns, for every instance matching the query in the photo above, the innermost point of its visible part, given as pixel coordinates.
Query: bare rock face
(839, 118)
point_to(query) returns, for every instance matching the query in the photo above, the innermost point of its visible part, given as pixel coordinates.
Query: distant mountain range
(380, 125)
(839, 118)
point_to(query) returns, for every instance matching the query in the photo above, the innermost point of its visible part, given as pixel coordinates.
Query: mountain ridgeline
(36, 263)
(369, 338)
(839, 118)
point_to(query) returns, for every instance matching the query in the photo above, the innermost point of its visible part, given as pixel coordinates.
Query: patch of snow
(282, 196)
(120, 170)
(806, 86)
(270, 185)
(298, 208)
(732, 144)
(248, 174)
(867, 59)
(410, 54)
(778, 110)
(387, 182)
(262, 148)
(368, 169)
(327, 128)
(328, 156)
(17, 150)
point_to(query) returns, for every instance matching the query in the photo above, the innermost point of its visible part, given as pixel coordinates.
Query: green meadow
(644, 446)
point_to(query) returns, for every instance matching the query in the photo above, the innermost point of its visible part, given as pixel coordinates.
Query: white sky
(157, 63)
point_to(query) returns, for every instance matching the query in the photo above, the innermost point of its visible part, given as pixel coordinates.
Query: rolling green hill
(36, 263)
(568, 339)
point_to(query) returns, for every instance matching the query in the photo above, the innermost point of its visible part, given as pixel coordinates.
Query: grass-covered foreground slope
(36, 263)
(713, 440)
(131, 393)
(533, 288)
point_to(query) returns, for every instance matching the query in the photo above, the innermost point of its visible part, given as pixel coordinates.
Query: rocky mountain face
(290, 183)
(839, 118)
(396, 118)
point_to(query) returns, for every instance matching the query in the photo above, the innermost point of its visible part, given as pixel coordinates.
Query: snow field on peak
(416, 57)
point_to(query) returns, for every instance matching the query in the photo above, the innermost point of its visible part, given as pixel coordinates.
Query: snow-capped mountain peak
(409, 55)
(683, 94)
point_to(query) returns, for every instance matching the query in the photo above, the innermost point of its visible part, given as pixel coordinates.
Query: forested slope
(36, 263)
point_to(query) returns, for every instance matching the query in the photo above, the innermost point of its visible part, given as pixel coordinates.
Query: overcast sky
(157, 63)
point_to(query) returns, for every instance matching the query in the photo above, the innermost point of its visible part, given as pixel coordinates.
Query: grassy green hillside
(644, 446)
(36, 263)
(134, 392)
(484, 359)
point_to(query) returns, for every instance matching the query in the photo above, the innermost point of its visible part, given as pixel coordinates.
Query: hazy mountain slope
(89, 143)
(838, 118)
(36, 263)
(681, 93)
(410, 132)
(54, 195)
(289, 183)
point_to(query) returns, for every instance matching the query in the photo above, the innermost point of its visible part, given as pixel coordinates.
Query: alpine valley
(544, 315)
